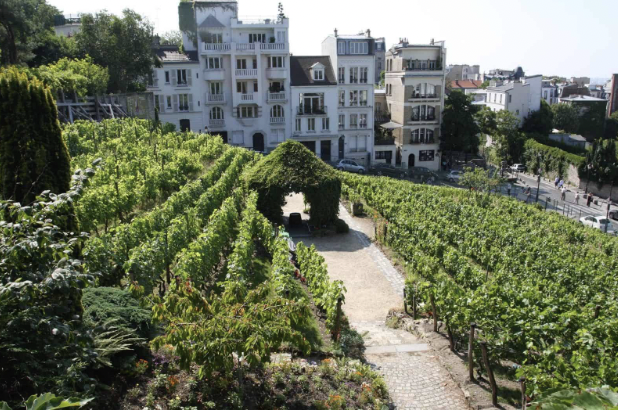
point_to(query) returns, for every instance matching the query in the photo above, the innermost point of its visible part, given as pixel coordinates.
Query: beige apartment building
(415, 77)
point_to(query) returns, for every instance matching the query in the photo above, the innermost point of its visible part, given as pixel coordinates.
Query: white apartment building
(380, 52)
(456, 72)
(549, 92)
(314, 105)
(415, 78)
(519, 97)
(233, 79)
(354, 59)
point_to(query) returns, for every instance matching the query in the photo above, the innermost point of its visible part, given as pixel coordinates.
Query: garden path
(413, 374)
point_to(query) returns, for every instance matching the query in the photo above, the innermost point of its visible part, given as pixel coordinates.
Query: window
(341, 121)
(183, 102)
(215, 88)
(277, 135)
(214, 63)
(157, 103)
(276, 112)
(257, 38)
(432, 65)
(181, 76)
(298, 120)
(310, 124)
(246, 112)
(363, 98)
(341, 47)
(241, 64)
(342, 98)
(510, 98)
(353, 75)
(353, 98)
(517, 112)
(352, 145)
(363, 121)
(275, 87)
(167, 77)
(500, 98)
(378, 107)
(318, 74)
(353, 120)
(426, 155)
(216, 38)
(216, 113)
(381, 154)
(276, 62)
(361, 143)
(255, 86)
(325, 124)
(364, 71)
(545, 95)
(241, 87)
(168, 102)
(358, 47)
(341, 75)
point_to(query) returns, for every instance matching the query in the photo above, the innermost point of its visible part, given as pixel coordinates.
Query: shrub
(351, 343)
(341, 226)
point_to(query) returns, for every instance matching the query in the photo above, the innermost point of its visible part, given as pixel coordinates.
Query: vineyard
(540, 288)
(185, 282)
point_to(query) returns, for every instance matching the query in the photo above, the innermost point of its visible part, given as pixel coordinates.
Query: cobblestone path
(414, 376)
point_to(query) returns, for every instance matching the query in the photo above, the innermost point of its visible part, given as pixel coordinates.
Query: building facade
(354, 59)
(380, 53)
(519, 97)
(314, 105)
(239, 85)
(549, 92)
(457, 72)
(415, 80)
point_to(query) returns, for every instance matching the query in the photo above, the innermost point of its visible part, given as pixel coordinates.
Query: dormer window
(318, 75)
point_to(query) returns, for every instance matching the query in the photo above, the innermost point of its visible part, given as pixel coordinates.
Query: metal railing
(245, 46)
(249, 21)
(272, 46)
(216, 97)
(278, 96)
(415, 95)
(246, 97)
(217, 46)
(423, 118)
(310, 110)
(249, 72)
(216, 123)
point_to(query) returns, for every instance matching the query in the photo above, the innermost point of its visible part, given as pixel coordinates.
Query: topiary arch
(291, 167)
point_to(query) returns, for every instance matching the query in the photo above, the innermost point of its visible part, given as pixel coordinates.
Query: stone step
(417, 347)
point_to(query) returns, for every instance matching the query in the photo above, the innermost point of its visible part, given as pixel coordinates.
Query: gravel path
(414, 377)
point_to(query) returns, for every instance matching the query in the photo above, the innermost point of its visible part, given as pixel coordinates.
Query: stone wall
(601, 192)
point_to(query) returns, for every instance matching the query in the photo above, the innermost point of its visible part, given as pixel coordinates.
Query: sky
(549, 37)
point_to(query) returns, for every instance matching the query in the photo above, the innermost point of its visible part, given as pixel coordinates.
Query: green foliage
(291, 167)
(611, 127)
(102, 304)
(486, 119)
(601, 162)
(44, 343)
(549, 159)
(507, 138)
(592, 120)
(53, 48)
(82, 77)
(566, 117)
(560, 399)
(33, 156)
(48, 401)
(110, 340)
(541, 121)
(531, 280)
(121, 44)
(171, 38)
(459, 129)
(485, 84)
(480, 180)
(545, 140)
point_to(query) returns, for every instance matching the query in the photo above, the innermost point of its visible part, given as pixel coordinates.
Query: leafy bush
(48, 401)
(351, 343)
(341, 226)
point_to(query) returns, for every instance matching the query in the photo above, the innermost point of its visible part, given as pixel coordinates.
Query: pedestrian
(577, 198)
(556, 182)
(560, 184)
(589, 200)
(527, 194)
(563, 193)
(508, 188)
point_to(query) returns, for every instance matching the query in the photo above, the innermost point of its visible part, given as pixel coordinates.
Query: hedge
(553, 159)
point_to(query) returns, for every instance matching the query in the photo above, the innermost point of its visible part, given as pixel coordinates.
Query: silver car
(598, 222)
(350, 166)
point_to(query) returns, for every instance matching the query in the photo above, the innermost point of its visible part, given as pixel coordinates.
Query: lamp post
(538, 182)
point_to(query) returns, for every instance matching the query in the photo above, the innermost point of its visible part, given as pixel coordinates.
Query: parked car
(598, 222)
(518, 168)
(613, 214)
(422, 173)
(454, 176)
(350, 166)
(387, 169)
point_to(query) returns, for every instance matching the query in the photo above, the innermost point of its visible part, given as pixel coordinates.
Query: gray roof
(501, 88)
(575, 97)
(300, 71)
(211, 22)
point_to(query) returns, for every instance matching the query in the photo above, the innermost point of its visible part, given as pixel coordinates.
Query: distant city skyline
(574, 38)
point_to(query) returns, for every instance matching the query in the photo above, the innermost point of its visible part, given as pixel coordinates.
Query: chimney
(431, 42)
(335, 32)
(368, 33)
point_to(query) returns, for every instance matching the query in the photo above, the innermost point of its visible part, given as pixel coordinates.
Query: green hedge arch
(291, 167)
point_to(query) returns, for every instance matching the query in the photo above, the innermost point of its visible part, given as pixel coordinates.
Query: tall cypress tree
(33, 155)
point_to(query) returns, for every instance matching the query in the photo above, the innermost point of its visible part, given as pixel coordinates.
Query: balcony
(246, 98)
(277, 120)
(216, 47)
(280, 96)
(418, 120)
(216, 123)
(310, 110)
(214, 74)
(246, 73)
(215, 99)
(423, 97)
(273, 46)
(245, 46)
(276, 73)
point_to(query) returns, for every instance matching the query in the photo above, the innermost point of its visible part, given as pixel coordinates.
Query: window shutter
(174, 81)
(189, 77)
(161, 103)
(190, 102)
(175, 102)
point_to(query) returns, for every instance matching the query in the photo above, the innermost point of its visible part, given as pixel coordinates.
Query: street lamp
(538, 183)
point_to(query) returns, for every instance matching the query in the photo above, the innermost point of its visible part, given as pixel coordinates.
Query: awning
(391, 125)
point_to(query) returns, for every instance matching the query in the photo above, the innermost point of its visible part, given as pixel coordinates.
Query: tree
(541, 121)
(53, 48)
(566, 117)
(611, 127)
(485, 84)
(171, 38)
(592, 121)
(121, 44)
(480, 180)
(33, 155)
(601, 164)
(509, 141)
(486, 120)
(459, 129)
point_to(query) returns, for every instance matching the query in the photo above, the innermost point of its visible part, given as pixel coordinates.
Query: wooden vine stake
(522, 383)
(414, 301)
(471, 351)
(337, 330)
(490, 373)
(435, 312)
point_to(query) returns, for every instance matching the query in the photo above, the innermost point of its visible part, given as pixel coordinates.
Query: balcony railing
(216, 123)
(246, 97)
(424, 118)
(272, 46)
(415, 95)
(353, 126)
(251, 21)
(246, 72)
(310, 110)
(217, 46)
(278, 96)
(216, 97)
(277, 120)
(245, 46)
